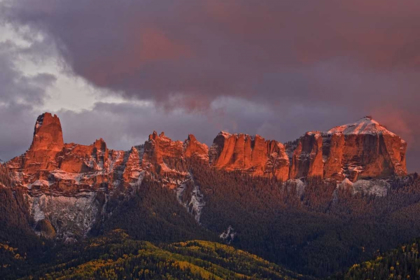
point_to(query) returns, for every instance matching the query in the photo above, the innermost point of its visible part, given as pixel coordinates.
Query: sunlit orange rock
(365, 149)
(46, 143)
(80, 158)
(193, 148)
(307, 160)
(255, 156)
(47, 134)
(162, 155)
(333, 149)
(132, 166)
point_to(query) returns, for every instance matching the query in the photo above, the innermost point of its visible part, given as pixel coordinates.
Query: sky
(119, 70)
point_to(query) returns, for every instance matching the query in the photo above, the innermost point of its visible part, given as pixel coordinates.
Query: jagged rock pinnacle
(48, 134)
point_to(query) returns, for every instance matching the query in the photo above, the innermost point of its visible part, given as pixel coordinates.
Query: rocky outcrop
(47, 142)
(48, 134)
(163, 156)
(307, 158)
(79, 178)
(364, 149)
(253, 155)
(193, 148)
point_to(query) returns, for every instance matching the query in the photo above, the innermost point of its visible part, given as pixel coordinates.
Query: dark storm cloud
(302, 65)
(205, 49)
(19, 93)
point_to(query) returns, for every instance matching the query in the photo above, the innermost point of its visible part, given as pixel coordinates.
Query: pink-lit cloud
(301, 64)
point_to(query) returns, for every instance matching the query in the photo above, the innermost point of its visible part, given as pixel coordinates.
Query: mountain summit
(51, 169)
(364, 149)
(366, 125)
(47, 133)
(243, 186)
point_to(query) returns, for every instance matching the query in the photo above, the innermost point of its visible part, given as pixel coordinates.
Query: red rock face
(333, 151)
(361, 150)
(46, 143)
(166, 158)
(132, 167)
(47, 133)
(162, 155)
(193, 148)
(254, 156)
(364, 149)
(307, 158)
(51, 166)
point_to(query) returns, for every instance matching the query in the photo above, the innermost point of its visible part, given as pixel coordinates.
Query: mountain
(63, 180)
(117, 256)
(364, 149)
(360, 150)
(310, 205)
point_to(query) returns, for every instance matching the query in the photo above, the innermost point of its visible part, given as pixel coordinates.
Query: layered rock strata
(83, 177)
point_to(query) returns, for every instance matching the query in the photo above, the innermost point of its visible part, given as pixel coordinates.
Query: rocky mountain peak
(364, 149)
(100, 144)
(366, 125)
(224, 134)
(67, 173)
(191, 138)
(48, 134)
(253, 155)
(192, 147)
(153, 136)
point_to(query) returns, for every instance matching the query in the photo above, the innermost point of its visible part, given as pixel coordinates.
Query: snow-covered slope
(366, 125)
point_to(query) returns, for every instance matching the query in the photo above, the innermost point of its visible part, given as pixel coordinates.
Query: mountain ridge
(362, 149)
(284, 202)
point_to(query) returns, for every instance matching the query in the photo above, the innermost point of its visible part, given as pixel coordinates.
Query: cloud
(19, 93)
(151, 50)
(277, 68)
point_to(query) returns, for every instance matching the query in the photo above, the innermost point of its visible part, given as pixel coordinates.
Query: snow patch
(299, 184)
(372, 187)
(39, 183)
(228, 235)
(70, 216)
(365, 125)
(196, 203)
(225, 134)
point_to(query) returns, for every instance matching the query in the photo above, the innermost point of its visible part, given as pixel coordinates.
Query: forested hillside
(316, 231)
(400, 263)
(117, 256)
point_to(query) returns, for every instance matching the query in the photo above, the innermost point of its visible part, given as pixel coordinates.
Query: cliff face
(252, 155)
(307, 160)
(67, 186)
(364, 149)
(47, 142)
(55, 176)
(51, 166)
